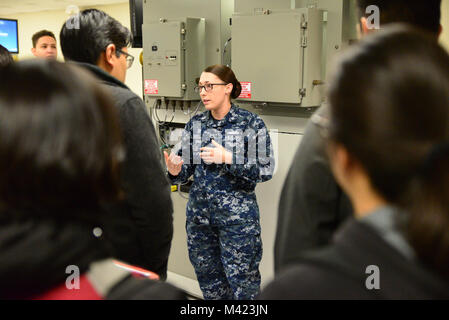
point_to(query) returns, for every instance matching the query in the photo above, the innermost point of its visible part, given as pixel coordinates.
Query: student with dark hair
(143, 225)
(228, 151)
(44, 45)
(391, 158)
(312, 205)
(5, 57)
(60, 158)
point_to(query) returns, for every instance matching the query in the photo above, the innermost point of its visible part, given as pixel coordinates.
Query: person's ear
(33, 51)
(342, 164)
(228, 88)
(110, 54)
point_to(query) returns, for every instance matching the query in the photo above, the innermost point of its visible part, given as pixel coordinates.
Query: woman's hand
(174, 163)
(216, 155)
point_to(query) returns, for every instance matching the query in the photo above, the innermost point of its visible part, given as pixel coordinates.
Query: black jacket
(340, 271)
(35, 252)
(142, 225)
(312, 205)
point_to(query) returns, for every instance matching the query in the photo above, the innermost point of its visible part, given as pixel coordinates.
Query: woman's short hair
(60, 143)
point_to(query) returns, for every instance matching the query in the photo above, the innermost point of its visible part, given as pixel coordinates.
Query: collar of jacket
(231, 117)
(101, 74)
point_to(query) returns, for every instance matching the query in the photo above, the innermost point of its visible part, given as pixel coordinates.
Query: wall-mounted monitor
(9, 35)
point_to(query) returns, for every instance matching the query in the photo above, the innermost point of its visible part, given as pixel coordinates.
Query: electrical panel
(174, 56)
(277, 56)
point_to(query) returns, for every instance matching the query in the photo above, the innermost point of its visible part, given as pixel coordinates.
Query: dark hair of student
(86, 35)
(420, 14)
(226, 75)
(389, 108)
(41, 34)
(5, 57)
(60, 146)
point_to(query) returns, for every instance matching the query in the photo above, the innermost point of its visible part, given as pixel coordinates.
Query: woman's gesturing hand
(217, 155)
(174, 163)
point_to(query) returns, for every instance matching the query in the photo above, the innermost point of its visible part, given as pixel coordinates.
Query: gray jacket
(141, 226)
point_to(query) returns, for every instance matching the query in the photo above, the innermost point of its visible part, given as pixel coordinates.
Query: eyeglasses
(208, 87)
(129, 58)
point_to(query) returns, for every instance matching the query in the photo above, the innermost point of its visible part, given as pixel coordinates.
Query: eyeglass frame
(129, 64)
(199, 89)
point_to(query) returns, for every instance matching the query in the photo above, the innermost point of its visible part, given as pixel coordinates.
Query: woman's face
(218, 96)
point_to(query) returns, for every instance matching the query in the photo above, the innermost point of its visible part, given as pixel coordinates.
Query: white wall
(29, 23)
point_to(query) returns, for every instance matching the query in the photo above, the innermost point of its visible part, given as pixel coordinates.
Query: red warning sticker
(246, 90)
(151, 87)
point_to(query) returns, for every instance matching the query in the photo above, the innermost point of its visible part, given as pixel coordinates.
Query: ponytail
(428, 225)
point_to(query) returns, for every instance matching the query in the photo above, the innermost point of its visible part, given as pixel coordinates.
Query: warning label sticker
(246, 90)
(151, 87)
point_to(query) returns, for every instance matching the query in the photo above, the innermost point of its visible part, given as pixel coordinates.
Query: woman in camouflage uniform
(223, 227)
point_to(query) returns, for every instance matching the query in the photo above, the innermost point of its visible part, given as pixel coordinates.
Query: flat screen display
(9, 35)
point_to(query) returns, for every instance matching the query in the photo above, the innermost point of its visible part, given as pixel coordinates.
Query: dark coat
(35, 253)
(340, 271)
(142, 225)
(312, 205)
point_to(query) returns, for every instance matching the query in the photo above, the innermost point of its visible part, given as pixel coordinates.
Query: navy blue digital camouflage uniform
(223, 228)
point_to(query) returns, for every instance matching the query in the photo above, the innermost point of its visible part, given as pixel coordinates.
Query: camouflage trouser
(226, 259)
